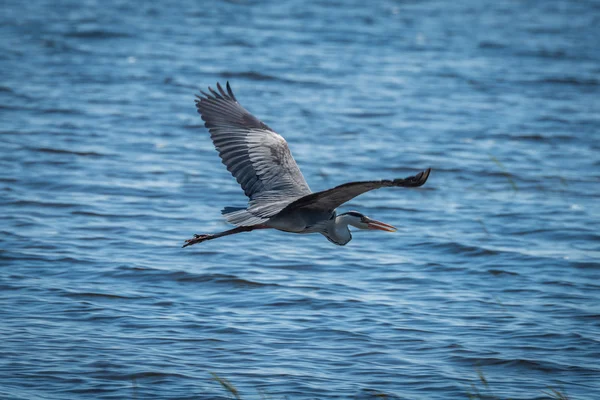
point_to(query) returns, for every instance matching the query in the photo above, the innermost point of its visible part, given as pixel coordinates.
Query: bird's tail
(229, 210)
(241, 217)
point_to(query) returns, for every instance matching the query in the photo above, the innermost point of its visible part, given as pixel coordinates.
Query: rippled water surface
(106, 168)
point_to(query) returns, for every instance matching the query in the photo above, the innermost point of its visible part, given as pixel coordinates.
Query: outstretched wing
(331, 199)
(256, 156)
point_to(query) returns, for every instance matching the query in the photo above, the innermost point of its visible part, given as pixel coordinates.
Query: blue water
(106, 168)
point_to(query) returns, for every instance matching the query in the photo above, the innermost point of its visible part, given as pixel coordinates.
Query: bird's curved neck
(338, 231)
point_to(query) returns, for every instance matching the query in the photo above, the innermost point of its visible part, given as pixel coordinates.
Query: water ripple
(105, 168)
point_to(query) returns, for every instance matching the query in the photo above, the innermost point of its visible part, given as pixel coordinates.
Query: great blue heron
(280, 198)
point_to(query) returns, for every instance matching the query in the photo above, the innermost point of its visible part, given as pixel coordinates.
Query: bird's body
(307, 221)
(279, 197)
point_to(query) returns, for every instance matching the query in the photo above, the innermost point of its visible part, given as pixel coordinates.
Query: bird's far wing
(332, 198)
(256, 156)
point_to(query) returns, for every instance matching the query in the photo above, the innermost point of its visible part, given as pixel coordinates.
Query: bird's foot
(197, 239)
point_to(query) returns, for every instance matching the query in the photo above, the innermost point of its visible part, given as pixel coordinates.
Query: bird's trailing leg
(203, 238)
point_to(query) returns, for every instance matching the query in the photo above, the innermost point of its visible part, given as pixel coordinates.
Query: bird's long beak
(373, 224)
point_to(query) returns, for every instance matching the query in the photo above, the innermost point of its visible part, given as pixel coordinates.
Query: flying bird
(279, 197)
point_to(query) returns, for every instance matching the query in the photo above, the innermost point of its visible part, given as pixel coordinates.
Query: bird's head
(361, 221)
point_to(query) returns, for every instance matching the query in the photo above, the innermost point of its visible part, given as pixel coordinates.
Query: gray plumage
(279, 197)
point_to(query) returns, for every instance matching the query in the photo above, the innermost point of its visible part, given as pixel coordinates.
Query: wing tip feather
(424, 175)
(413, 181)
(215, 94)
(230, 92)
(219, 94)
